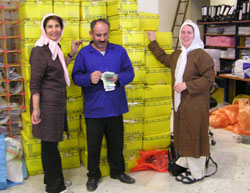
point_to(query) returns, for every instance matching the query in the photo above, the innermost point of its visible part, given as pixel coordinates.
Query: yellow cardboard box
(158, 76)
(136, 55)
(84, 30)
(26, 125)
(70, 69)
(27, 96)
(83, 125)
(71, 29)
(30, 29)
(154, 109)
(158, 92)
(140, 75)
(149, 21)
(30, 9)
(136, 110)
(119, 22)
(132, 126)
(25, 66)
(34, 165)
(70, 159)
(152, 62)
(135, 92)
(92, 10)
(73, 121)
(81, 143)
(121, 7)
(68, 9)
(164, 39)
(26, 47)
(66, 45)
(31, 146)
(157, 141)
(128, 38)
(156, 125)
(73, 90)
(69, 143)
(131, 161)
(75, 104)
(132, 143)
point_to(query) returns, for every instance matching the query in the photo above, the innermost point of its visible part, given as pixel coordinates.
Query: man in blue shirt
(102, 69)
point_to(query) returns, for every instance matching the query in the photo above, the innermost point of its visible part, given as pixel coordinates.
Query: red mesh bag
(157, 160)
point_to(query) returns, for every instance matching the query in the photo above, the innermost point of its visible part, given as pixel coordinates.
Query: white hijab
(54, 47)
(182, 60)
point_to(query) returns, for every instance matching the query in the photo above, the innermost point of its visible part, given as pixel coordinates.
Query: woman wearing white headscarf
(49, 77)
(193, 75)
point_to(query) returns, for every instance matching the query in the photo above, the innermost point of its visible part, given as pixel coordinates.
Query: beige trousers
(195, 165)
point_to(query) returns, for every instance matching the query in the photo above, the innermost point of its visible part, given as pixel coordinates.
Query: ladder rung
(183, 1)
(175, 37)
(180, 14)
(177, 25)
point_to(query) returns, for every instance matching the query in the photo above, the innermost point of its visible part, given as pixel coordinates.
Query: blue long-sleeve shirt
(99, 103)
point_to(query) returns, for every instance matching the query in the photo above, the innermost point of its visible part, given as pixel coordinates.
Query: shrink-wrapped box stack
(125, 30)
(31, 14)
(149, 95)
(89, 11)
(147, 124)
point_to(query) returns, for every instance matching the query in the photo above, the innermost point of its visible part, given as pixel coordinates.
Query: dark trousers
(112, 128)
(52, 167)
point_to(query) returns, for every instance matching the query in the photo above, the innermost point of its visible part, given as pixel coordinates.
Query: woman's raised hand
(151, 35)
(75, 47)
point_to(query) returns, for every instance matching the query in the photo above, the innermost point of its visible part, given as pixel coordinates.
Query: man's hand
(114, 79)
(95, 77)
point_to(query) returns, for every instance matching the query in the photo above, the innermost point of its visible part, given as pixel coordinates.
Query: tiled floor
(233, 174)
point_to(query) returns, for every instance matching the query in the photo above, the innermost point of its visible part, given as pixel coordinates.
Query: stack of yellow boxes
(90, 10)
(125, 30)
(149, 95)
(31, 13)
(158, 102)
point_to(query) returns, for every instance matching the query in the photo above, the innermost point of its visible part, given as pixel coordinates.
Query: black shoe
(124, 178)
(92, 184)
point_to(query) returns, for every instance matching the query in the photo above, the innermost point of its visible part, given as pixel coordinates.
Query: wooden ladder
(178, 20)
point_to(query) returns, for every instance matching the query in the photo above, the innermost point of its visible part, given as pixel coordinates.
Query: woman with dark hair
(193, 75)
(49, 77)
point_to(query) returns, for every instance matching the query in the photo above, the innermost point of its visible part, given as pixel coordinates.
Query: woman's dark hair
(54, 17)
(191, 27)
(93, 23)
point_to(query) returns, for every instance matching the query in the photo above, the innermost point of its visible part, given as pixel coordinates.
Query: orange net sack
(157, 160)
(244, 115)
(235, 117)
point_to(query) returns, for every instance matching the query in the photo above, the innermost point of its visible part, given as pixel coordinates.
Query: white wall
(149, 6)
(167, 10)
(220, 2)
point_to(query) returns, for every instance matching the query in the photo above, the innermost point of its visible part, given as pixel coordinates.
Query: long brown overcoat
(191, 121)
(47, 79)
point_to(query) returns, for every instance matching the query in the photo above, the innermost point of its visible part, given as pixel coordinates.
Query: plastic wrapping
(157, 160)
(232, 117)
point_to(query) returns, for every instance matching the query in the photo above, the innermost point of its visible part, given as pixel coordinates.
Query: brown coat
(191, 121)
(47, 78)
